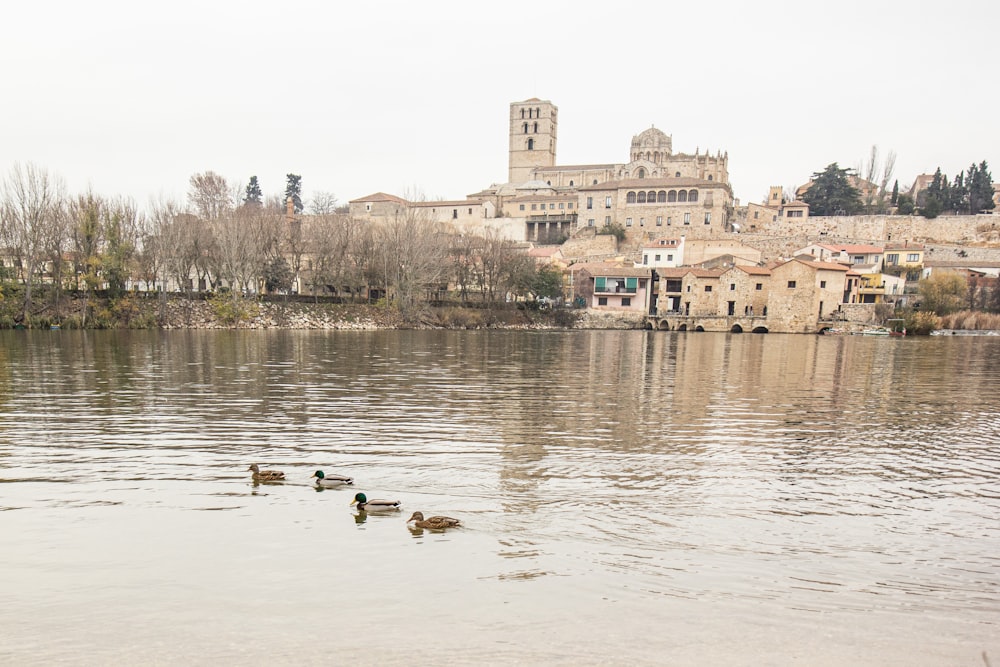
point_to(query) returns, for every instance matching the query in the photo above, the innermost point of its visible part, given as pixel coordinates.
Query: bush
(232, 311)
(921, 323)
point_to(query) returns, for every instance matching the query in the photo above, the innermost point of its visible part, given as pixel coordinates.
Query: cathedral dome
(653, 139)
(651, 144)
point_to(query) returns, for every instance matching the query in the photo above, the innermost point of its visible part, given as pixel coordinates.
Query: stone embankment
(197, 314)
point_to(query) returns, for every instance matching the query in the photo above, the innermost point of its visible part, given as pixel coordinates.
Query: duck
(266, 475)
(366, 505)
(433, 522)
(328, 481)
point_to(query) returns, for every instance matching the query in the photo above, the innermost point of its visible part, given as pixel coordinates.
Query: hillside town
(657, 240)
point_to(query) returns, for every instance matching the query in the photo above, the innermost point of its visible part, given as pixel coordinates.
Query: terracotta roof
(379, 197)
(544, 252)
(754, 270)
(456, 202)
(705, 273)
(851, 249)
(535, 198)
(823, 266)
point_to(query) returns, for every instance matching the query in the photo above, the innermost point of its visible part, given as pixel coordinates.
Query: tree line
(227, 238)
(839, 191)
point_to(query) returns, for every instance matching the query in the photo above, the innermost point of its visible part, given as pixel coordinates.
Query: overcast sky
(132, 98)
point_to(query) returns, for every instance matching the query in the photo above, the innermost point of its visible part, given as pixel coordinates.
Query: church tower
(533, 125)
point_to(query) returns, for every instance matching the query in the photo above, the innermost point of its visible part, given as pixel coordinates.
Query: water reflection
(762, 476)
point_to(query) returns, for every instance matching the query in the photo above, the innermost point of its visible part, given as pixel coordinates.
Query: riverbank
(132, 312)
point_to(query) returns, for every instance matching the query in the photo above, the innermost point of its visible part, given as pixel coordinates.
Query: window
(672, 196)
(522, 113)
(590, 202)
(677, 174)
(534, 207)
(709, 177)
(571, 184)
(656, 258)
(571, 205)
(628, 222)
(536, 128)
(661, 196)
(607, 202)
(522, 207)
(642, 222)
(732, 287)
(651, 196)
(602, 301)
(645, 258)
(759, 286)
(454, 213)
(688, 288)
(793, 214)
(669, 219)
(687, 218)
(552, 206)
(692, 195)
(642, 173)
(791, 284)
(682, 196)
(595, 182)
(892, 258)
(470, 211)
(755, 214)
(708, 218)
(562, 205)
(708, 288)
(590, 222)
(913, 257)
(670, 258)
(626, 301)
(641, 198)
(531, 144)
(822, 284)
(525, 128)
(659, 221)
(607, 220)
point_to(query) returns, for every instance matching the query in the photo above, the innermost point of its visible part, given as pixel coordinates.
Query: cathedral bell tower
(533, 125)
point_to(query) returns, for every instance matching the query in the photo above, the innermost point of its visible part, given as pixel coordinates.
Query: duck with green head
(330, 481)
(365, 505)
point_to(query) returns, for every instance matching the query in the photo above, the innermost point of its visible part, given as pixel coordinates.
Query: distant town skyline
(413, 100)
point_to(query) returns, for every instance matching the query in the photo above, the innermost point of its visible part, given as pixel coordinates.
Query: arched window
(548, 182)
(656, 157)
(661, 196)
(651, 196)
(677, 174)
(522, 113)
(642, 173)
(538, 113)
(709, 177)
(693, 195)
(531, 144)
(595, 181)
(525, 128)
(672, 196)
(571, 184)
(682, 196)
(529, 113)
(641, 198)
(630, 198)
(536, 128)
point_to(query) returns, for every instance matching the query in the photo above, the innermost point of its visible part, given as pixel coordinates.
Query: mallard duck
(266, 475)
(331, 480)
(366, 505)
(433, 522)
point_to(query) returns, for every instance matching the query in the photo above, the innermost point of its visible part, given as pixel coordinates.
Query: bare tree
(211, 196)
(877, 176)
(323, 203)
(242, 239)
(414, 257)
(32, 200)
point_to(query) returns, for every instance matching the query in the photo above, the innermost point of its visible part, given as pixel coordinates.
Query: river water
(632, 498)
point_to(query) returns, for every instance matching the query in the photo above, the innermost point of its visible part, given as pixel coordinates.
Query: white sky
(132, 98)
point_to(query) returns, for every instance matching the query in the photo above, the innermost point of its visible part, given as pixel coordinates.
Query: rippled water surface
(628, 498)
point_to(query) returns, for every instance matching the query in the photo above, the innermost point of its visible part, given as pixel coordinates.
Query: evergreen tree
(253, 195)
(831, 193)
(294, 190)
(979, 188)
(895, 192)
(936, 197)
